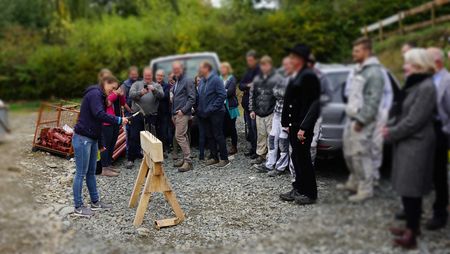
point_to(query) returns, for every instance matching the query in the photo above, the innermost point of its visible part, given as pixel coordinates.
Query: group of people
(415, 120)
(282, 115)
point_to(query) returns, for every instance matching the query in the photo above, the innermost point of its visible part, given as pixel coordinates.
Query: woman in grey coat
(412, 135)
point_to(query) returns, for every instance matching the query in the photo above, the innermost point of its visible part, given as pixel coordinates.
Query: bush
(63, 59)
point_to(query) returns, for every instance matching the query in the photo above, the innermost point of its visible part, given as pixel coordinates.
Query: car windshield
(190, 65)
(337, 81)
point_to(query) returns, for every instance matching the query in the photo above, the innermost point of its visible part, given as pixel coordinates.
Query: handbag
(233, 112)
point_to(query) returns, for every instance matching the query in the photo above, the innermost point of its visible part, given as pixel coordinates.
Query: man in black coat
(301, 110)
(245, 85)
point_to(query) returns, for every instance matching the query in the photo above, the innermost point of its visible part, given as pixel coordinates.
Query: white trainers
(360, 197)
(346, 187)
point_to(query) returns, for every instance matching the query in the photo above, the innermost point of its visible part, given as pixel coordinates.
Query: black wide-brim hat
(300, 50)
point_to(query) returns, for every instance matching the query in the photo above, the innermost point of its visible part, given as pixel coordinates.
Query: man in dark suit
(245, 84)
(301, 110)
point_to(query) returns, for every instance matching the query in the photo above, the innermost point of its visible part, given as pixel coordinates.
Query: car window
(190, 65)
(337, 83)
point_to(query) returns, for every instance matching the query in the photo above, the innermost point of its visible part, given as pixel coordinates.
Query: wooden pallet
(152, 173)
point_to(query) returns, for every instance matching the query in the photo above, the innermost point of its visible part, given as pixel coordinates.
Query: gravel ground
(231, 210)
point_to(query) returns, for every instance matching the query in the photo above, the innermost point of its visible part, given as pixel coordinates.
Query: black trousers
(164, 131)
(110, 133)
(440, 178)
(413, 210)
(213, 127)
(252, 134)
(137, 125)
(305, 177)
(229, 128)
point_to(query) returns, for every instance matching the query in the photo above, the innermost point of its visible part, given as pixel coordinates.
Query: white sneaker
(346, 187)
(360, 197)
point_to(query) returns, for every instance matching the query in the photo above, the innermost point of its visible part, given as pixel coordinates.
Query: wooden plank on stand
(152, 173)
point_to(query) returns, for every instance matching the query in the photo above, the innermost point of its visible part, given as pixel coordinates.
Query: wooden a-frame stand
(152, 173)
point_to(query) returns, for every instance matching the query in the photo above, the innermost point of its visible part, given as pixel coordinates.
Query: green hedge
(43, 64)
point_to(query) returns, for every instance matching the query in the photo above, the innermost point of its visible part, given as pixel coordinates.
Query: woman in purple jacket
(85, 142)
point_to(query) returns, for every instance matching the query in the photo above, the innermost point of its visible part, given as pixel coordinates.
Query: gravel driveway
(231, 210)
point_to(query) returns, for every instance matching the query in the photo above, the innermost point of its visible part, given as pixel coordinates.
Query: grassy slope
(389, 49)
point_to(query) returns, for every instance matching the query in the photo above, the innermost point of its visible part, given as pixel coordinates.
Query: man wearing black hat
(301, 110)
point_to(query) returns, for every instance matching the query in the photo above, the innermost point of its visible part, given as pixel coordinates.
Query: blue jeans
(86, 162)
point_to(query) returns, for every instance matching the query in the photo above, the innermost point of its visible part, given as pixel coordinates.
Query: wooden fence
(399, 18)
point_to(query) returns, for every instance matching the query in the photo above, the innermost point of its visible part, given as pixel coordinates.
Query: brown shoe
(233, 150)
(115, 170)
(211, 162)
(109, 173)
(187, 166)
(178, 164)
(223, 163)
(260, 159)
(407, 240)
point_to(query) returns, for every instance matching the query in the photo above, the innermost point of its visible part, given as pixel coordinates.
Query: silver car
(4, 124)
(191, 62)
(333, 113)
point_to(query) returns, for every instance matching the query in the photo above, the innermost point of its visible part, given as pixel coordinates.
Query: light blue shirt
(437, 77)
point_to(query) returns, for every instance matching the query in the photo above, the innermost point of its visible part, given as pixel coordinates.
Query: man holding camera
(145, 95)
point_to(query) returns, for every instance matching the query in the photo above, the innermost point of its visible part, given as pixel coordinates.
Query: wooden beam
(138, 183)
(380, 32)
(400, 23)
(172, 200)
(152, 173)
(143, 203)
(152, 147)
(433, 15)
(430, 6)
(166, 223)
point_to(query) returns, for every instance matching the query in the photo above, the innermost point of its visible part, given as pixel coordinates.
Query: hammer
(140, 111)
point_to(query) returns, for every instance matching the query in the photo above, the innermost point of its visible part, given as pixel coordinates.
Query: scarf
(411, 81)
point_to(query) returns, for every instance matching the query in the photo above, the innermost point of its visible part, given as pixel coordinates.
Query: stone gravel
(230, 210)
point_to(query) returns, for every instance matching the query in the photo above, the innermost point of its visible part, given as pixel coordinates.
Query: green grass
(24, 106)
(33, 106)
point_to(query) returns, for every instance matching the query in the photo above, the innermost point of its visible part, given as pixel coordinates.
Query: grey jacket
(365, 92)
(184, 96)
(413, 138)
(443, 100)
(150, 101)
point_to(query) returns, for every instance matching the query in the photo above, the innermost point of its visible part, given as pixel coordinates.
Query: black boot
(400, 215)
(436, 223)
(290, 196)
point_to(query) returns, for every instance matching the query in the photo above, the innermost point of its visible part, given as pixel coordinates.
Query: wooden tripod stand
(152, 173)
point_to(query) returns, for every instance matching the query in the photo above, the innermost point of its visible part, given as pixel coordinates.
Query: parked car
(190, 61)
(333, 113)
(4, 124)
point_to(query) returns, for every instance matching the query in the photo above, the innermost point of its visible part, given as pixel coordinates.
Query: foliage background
(54, 48)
